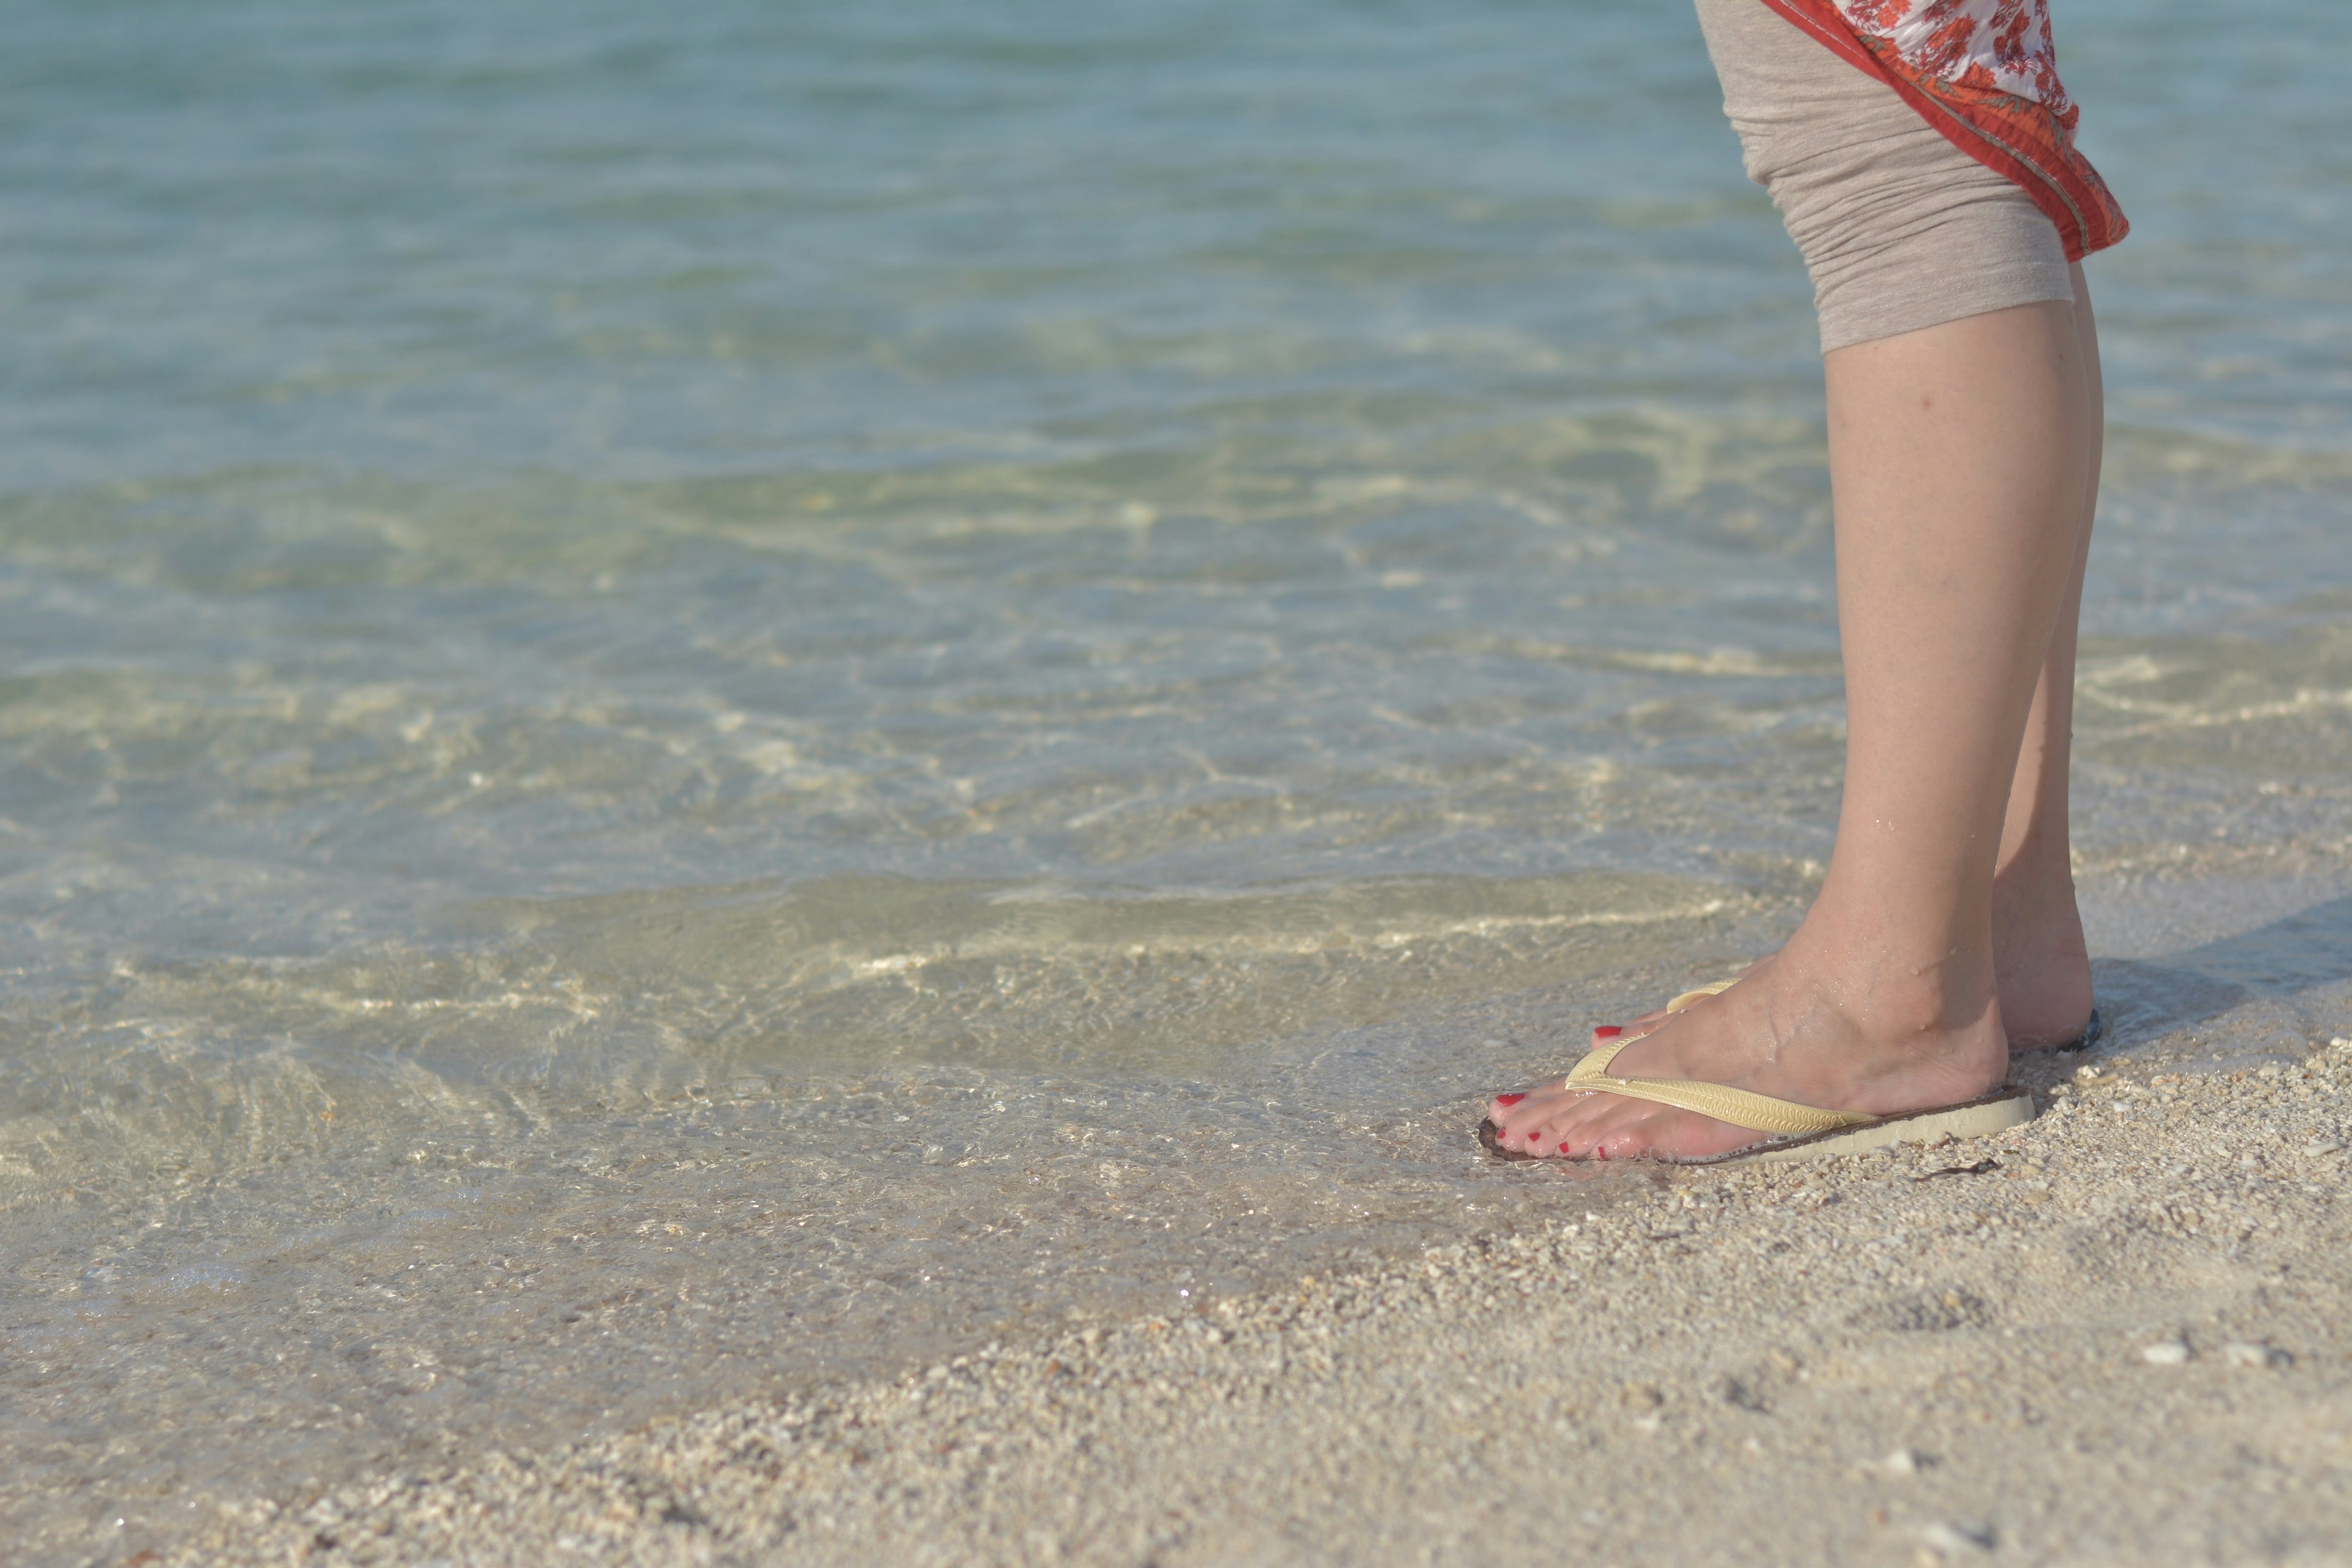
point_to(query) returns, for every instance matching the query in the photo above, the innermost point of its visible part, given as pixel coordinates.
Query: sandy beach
(2114, 1336)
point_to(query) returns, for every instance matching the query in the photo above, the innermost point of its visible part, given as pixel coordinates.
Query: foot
(2040, 957)
(1810, 1025)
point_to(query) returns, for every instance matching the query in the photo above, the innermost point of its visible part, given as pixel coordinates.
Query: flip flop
(1793, 1131)
(2091, 1029)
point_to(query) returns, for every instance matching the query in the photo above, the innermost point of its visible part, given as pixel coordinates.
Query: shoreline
(2113, 1335)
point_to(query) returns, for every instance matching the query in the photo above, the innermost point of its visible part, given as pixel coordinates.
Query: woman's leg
(2040, 959)
(1960, 455)
(2037, 933)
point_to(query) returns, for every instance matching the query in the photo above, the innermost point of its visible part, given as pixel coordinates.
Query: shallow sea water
(698, 702)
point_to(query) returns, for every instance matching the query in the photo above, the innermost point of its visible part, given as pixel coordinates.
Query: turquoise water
(699, 700)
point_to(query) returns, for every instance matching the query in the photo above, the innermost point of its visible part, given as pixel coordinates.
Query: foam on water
(698, 702)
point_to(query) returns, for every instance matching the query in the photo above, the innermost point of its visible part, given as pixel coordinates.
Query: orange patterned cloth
(1985, 73)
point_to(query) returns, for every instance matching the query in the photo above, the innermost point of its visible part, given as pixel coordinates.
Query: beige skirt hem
(1899, 230)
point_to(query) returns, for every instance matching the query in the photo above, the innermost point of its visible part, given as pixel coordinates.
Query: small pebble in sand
(1897, 1464)
(2165, 1353)
(1955, 1539)
(2319, 1147)
(2246, 1352)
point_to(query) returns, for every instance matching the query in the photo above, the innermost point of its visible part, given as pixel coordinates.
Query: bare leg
(2040, 959)
(2037, 934)
(1959, 457)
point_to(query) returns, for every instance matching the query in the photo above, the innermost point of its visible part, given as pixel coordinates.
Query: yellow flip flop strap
(1701, 994)
(1757, 1112)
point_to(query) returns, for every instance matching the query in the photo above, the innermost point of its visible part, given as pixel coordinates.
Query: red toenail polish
(1607, 1032)
(1563, 1148)
(1508, 1099)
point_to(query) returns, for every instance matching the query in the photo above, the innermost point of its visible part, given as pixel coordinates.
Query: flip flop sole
(1969, 1118)
(1999, 1113)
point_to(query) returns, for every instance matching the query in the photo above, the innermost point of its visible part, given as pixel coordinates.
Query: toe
(1630, 1028)
(1522, 1126)
(1499, 1111)
(1569, 1132)
(1528, 1135)
(1586, 1136)
(1552, 1125)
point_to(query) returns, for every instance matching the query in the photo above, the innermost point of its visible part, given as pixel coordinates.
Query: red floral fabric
(1985, 73)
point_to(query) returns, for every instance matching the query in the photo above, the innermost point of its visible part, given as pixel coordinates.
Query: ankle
(2033, 911)
(1896, 992)
(1927, 1005)
(2040, 872)
(2042, 957)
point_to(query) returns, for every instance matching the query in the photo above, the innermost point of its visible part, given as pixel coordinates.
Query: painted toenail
(1607, 1032)
(1508, 1099)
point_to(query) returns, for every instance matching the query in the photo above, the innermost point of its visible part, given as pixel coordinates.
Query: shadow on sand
(2273, 963)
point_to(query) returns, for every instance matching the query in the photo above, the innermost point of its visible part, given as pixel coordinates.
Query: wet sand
(2114, 1335)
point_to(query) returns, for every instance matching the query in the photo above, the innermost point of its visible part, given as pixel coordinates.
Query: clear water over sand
(696, 703)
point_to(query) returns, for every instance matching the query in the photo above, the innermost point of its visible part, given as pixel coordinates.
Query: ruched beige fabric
(1899, 228)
